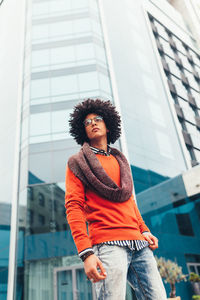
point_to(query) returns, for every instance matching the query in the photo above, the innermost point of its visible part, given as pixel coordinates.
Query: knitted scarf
(86, 166)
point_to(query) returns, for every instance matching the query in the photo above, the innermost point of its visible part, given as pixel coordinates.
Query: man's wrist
(85, 253)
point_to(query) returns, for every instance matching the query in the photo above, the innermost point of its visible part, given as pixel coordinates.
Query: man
(99, 187)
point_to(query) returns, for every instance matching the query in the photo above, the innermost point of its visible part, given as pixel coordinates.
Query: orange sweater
(107, 221)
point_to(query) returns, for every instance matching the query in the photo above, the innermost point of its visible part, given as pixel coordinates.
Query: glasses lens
(87, 122)
(98, 119)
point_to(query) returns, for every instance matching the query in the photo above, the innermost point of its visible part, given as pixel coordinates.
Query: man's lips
(95, 129)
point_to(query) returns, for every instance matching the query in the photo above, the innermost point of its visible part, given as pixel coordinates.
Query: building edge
(15, 187)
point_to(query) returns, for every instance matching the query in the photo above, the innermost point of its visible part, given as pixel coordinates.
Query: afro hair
(101, 108)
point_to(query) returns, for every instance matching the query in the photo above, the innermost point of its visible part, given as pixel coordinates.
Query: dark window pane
(192, 269)
(30, 216)
(41, 219)
(197, 208)
(184, 224)
(41, 199)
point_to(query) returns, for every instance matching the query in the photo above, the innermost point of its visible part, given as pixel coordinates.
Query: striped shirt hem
(135, 245)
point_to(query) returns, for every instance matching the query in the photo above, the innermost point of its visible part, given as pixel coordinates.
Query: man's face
(96, 127)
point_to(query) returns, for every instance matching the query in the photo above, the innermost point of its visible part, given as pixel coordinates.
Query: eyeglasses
(96, 119)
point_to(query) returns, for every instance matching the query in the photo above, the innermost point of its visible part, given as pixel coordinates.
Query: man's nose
(94, 121)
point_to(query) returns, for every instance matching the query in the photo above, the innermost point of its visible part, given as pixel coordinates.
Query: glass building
(139, 55)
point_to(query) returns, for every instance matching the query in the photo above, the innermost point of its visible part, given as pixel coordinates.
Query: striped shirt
(134, 245)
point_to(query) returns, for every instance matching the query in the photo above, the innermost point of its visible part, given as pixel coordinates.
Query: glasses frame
(88, 122)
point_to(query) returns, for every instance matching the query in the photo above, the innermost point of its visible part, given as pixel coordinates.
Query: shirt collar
(100, 151)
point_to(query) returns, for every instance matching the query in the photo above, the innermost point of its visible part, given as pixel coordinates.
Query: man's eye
(98, 119)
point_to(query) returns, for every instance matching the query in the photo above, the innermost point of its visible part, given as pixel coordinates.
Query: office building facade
(130, 53)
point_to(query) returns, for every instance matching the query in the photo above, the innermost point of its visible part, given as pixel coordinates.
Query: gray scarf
(86, 166)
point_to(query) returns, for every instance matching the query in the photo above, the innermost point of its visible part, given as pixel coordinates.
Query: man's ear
(107, 130)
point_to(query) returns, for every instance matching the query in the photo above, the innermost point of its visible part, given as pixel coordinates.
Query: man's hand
(91, 264)
(153, 241)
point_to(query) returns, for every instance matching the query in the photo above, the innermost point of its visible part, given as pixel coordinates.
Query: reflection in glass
(88, 81)
(46, 209)
(84, 286)
(44, 238)
(60, 121)
(64, 285)
(40, 124)
(40, 88)
(64, 84)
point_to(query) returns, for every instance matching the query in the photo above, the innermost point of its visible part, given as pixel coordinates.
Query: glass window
(164, 144)
(30, 216)
(88, 81)
(40, 139)
(149, 85)
(85, 51)
(104, 83)
(40, 169)
(40, 58)
(40, 124)
(184, 224)
(41, 219)
(187, 111)
(81, 25)
(166, 47)
(64, 85)
(157, 113)
(174, 69)
(191, 128)
(180, 88)
(79, 4)
(61, 5)
(195, 141)
(96, 27)
(41, 199)
(60, 121)
(59, 159)
(62, 55)
(161, 30)
(132, 20)
(30, 194)
(195, 58)
(179, 45)
(197, 155)
(143, 60)
(196, 95)
(40, 8)
(84, 286)
(40, 31)
(40, 88)
(100, 53)
(192, 81)
(136, 38)
(60, 28)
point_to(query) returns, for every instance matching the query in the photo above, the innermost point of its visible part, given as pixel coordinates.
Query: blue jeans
(138, 267)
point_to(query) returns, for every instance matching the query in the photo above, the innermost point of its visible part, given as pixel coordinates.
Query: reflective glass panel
(84, 286)
(40, 124)
(64, 285)
(64, 85)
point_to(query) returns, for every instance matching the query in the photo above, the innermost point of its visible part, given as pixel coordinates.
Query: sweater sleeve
(74, 204)
(143, 227)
